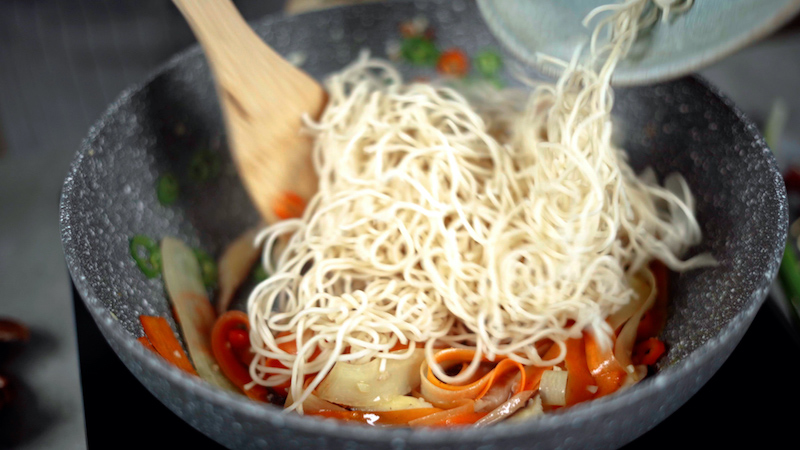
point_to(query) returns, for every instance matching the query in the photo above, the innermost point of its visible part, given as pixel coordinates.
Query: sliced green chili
(205, 165)
(488, 63)
(146, 253)
(419, 50)
(208, 268)
(497, 82)
(259, 273)
(167, 189)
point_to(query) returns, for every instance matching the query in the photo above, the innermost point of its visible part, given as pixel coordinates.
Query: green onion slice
(419, 50)
(167, 189)
(259, 273)
(488, 63)
(146, 253)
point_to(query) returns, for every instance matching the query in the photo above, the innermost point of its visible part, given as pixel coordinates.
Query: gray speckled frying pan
(158, 126)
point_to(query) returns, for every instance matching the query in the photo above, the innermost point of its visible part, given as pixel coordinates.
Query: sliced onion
(505, 410)
(531, 410)
(641, 294)
(636, 375)
(397, 403)
(644, 285)
(194, 312)
(365, 385)
(553, 387)
(313, 404)
(234, 266)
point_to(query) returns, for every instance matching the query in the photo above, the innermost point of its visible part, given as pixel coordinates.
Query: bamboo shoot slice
(196, 316)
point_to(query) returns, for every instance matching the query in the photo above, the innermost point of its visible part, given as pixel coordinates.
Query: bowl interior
(166, 124)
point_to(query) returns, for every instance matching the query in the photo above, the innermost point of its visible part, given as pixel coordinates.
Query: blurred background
(61, 63)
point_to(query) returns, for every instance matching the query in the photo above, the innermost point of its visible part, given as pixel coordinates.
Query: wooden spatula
(263, 98)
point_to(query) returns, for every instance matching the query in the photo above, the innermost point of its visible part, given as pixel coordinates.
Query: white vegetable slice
(553, 387)
(234, 266)
(645, 288)
(365, 385)
(636, 375)
(312, 404)
(531, 410)
(641, 293)
(514, 404)
(195, 315)
(397, 403)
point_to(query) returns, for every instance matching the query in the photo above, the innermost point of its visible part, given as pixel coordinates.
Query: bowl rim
(657, 73)
(112, 330)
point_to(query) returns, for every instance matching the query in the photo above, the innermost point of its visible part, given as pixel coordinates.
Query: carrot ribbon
(163, 340)
(447, 395)
(230, 362)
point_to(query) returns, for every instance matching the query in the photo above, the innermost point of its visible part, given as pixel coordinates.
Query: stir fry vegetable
(488, 62)
(397, 392)
(420, 51)
(288, 205)
(167, 189)
(453, 62)
(184, 282)
(231, 346)
(235, 265)
(146, 254)
(407, 392)
(161, 338)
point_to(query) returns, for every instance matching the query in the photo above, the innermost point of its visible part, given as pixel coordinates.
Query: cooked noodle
(492, 225)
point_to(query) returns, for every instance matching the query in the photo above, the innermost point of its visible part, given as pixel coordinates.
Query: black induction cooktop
(754, 394)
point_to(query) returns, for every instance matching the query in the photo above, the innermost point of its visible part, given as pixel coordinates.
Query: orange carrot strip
(458, 356)
(403, 416)
(160, 334)
(227, 358)
(604, 367)
(453, 62)
(648, 352)
(503, 367)
(397, 347)
(441, 417)
(467, 418)
(147, 344)
(399, 417)
(485, 382)
(288, 205)
(579, 378)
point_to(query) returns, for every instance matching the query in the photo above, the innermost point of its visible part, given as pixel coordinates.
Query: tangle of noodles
(490, 225)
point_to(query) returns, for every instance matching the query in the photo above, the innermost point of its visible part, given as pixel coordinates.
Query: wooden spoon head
(264, 99)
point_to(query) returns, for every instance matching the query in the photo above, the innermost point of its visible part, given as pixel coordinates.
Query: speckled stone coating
(155, 127)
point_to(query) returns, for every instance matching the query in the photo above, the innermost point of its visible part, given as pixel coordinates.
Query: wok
(155, 127)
